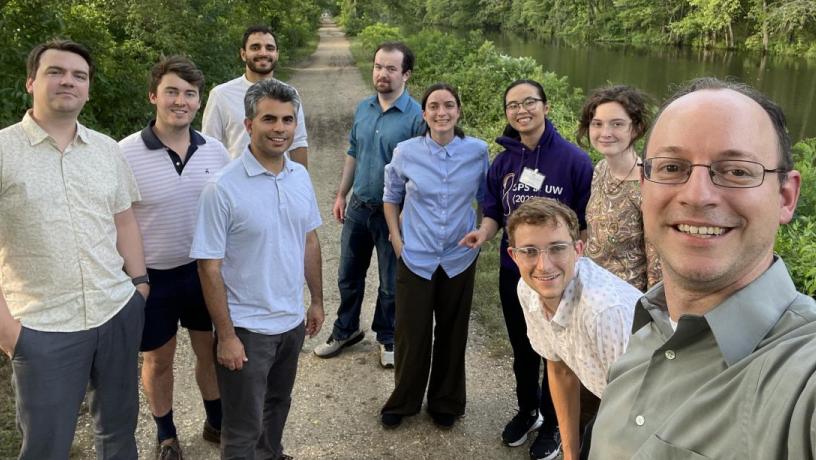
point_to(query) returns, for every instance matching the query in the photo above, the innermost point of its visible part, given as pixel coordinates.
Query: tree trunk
(765, 38)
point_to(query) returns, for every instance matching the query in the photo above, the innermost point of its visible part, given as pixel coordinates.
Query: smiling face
(715, 240)
(177, 102)
(550, 275)
(260, 55)
(526, 120)
(273, 128)
(387, 73)
(610, 130)
(441, 114)
(61, 85)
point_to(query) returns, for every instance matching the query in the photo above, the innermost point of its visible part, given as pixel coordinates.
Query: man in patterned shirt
(578, 314)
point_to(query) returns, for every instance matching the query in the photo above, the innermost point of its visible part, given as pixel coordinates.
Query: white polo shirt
(590, 328)
(224, 117)
(257, 223)
(170, 191)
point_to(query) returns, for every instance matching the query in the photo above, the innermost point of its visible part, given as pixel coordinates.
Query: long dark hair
(510, 131)
(444, 87)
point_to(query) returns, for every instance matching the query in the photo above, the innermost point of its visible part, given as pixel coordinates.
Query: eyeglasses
(528, 103)
(614, 125)
(556, 252)
(724, 173)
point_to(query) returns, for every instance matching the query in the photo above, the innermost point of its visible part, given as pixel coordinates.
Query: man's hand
(339, 209)
(230, 353)
(314, 319)
(474, 239)
(9, 337)
(396, 243)
(144, 290)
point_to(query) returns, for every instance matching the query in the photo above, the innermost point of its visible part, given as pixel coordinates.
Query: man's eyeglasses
(556, 252)
(724, 173)
(528, 104)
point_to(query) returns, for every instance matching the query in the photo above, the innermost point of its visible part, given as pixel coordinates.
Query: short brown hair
(179, 65)
(542, 211)
(636, 103)
(33, 61)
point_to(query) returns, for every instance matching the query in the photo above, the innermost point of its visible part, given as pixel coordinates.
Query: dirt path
(336, 402)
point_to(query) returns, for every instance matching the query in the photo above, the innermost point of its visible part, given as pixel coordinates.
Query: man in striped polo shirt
(171, 163)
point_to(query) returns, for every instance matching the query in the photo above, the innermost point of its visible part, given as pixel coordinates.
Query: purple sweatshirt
(567, 174)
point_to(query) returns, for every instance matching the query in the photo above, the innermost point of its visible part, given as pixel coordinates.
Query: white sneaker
(333, 347)
(387, 355)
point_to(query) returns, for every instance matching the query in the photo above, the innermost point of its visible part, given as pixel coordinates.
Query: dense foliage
(481, 73)
(783, 26)
(127, 36)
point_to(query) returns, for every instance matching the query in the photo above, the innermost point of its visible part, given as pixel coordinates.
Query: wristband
(144, 279)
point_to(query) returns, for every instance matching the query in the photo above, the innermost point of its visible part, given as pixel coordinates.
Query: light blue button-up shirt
(373, 137)
(257, 223)
(438, 184)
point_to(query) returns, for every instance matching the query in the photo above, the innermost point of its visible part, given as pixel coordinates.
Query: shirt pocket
(656, 448)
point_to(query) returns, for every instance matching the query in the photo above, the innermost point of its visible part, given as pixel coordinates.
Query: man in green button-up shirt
(723, 350)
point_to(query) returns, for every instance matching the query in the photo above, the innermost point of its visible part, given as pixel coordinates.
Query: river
(791, 82)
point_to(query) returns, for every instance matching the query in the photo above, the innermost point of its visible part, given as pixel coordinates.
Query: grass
(9, 436)
(487, 308)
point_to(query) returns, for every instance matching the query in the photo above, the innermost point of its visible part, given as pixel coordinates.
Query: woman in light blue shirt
(430, 187)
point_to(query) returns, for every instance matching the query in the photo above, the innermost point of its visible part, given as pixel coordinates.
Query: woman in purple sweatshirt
(536, 162)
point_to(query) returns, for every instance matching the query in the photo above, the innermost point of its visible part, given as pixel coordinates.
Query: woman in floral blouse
(612, 120)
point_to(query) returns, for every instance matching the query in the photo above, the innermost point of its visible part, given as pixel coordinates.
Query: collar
(740, 322)
(36, 134)
(254, 168)
(441, 150)
(563, 315)
(401, 103)
(152, 142)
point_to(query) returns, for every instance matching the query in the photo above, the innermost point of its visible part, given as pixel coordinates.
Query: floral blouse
(615, 238)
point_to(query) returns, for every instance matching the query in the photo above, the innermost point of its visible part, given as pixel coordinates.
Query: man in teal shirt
(723, 353)
(380, 123)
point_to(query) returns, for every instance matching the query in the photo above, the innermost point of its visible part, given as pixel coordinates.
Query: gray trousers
(255, 400)
(52, 371)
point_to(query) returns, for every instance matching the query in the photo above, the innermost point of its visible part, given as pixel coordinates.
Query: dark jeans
(52, 371)
(256, 399)
(421, 303)
(364, 230)
(526, 362)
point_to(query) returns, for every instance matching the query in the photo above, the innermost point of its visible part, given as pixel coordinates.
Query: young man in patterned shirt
(578, 314)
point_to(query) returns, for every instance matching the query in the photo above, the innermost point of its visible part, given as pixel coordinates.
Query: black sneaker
(547, 445)
(444, 421)
(515, 433)
(391, 420)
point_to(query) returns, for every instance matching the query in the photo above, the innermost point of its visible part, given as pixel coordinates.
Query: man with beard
(380, 123)
(224, 113)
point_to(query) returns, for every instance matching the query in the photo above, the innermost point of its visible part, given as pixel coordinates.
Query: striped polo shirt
(170, 189)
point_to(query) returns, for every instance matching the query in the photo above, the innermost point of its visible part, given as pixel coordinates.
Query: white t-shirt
(590, 328)
(224, 117)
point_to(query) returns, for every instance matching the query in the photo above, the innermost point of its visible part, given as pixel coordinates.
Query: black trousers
(527, 364)
(420, 348)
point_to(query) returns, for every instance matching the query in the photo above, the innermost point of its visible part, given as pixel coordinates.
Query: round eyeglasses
(724, 173)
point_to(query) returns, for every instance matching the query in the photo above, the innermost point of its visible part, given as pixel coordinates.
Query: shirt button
(669, 354)
(639, 420)
(178, 164)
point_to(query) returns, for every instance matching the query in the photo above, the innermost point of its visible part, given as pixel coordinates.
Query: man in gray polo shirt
(723, 354)
(255, 239)
(172, 162)
(70, 318)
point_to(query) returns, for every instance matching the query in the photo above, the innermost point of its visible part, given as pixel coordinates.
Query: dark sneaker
(515, 432)
(169, 450)
(444, 421)
(391, 420)
(333, 347)
(210, 433)
(546, 446)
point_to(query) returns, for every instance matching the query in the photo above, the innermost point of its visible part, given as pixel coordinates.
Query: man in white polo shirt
(256, 241)
(172, 162)
(578, 314)
(224, 113)
(70, 318)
